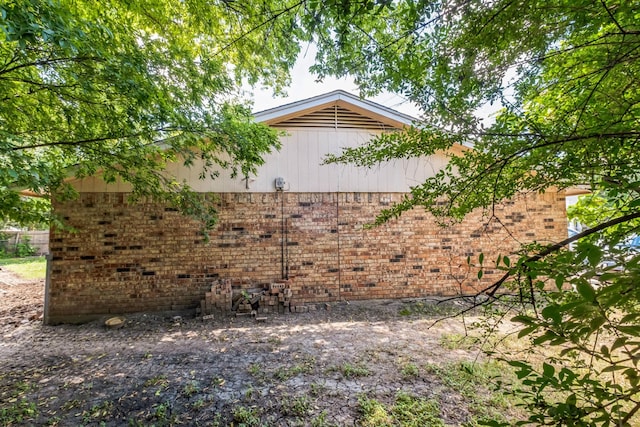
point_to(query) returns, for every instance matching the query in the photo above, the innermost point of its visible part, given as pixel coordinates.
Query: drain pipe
(282, 238)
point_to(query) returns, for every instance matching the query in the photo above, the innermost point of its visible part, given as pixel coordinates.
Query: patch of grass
(316, 389)
(32, 268)
(455, 341)
(246, 416)
(410, 370)
(255, 369)
(305, 366)
(190, 389)
(407, 410)
(298, 407)
(18, 408)
(374, 413)
(474, 382)
(98, 412)
(352, 371)
(158, 380)
(17, 412)
(321, 421)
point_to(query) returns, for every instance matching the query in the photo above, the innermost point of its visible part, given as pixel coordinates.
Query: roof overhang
(337, 98)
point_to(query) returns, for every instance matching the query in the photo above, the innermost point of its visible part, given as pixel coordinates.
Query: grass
(478, 383)
(31, 268)
(349, 370)
(407, 411)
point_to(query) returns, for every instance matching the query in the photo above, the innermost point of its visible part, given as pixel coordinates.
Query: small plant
(316, 389)
(351, 371)
(255, 369)
(190, 388)
(298, 407)
(18, 412)
(158, 380)
(456, 341)
(246, 416)
(162, 413)
(321, 420)
(410, 370)
(24, 248)
(374, 413)
(20, 408)
(407, 411)
(97, 412)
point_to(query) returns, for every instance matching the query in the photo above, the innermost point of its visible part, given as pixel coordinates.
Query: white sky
(303, 85)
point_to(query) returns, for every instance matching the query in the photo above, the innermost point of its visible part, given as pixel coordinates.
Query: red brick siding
(144, 257)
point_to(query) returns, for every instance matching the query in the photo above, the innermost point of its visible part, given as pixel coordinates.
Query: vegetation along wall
(128, 258)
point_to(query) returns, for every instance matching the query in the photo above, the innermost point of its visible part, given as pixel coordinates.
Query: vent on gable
(334, 117)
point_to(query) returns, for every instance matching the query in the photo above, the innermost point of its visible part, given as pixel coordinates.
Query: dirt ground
(293, 369)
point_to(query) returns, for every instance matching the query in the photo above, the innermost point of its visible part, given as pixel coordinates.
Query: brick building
(296, 220)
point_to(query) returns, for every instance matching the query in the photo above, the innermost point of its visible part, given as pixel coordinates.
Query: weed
(298, 407)
(18, 412)
(321, 420)
(473, 382)
(198, 404)
(374, 413)
(304, 367)
(352, 371)
(70, 404)
(412, 411)
(217, 382)
(190, 389)
(158, 380)
(162, 413)
(248, 394)
(316, 389)
(246, 416)
(255, 369)
(408, 410)
(20, 408)
(410, 370)
(457, 341)
(97, 412)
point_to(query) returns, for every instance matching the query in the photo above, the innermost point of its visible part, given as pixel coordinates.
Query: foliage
(122, 89)
(565, 79)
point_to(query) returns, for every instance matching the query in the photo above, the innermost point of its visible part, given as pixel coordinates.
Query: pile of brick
(275, 299)
(221, 301)
(218, 300)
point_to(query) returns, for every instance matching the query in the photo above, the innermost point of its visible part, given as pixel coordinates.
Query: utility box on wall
(280, 183)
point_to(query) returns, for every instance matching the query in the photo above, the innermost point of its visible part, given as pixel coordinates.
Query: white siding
(300, 162)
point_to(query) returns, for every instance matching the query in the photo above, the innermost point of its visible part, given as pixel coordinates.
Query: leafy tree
(566, 76)
(121, 88)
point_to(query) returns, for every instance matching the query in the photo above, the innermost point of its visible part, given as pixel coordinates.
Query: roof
(337, 109)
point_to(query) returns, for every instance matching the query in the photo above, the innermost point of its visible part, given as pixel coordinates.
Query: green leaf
(548, 370)
(586, 291)
(552, 312)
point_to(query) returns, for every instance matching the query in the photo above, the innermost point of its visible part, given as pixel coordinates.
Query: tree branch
(493, 288)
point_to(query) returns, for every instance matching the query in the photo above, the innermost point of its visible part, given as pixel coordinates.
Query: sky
(303, 85)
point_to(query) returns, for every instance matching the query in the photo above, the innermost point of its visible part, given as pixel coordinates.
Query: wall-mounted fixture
(247, 181)
(280, 183)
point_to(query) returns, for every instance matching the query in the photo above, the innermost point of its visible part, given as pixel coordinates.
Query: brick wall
(128, 258)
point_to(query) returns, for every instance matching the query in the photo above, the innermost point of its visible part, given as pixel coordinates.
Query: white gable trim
(339, 97)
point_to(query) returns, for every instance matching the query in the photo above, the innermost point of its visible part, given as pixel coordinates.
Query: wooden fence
(37, 239)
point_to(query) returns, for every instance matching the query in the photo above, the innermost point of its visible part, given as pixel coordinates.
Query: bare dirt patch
(294, 369)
